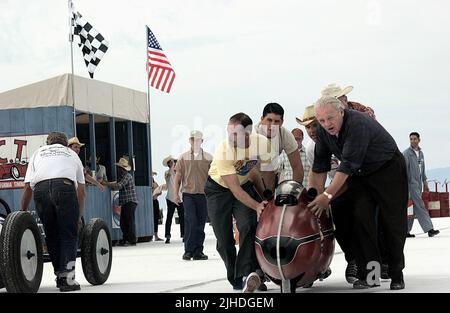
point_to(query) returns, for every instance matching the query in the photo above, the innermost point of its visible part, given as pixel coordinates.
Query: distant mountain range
(439, 174)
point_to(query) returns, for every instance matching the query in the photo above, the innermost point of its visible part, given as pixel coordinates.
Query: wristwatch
(328, 195)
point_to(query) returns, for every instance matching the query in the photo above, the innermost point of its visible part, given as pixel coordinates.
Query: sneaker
(362, 284)
(385, 271)
(398, 283)
(433, 233)
(351, 272)
(167, 240)
(252, 282)
(187, 256)
(408, 235)
(200, 256)
(64, 286)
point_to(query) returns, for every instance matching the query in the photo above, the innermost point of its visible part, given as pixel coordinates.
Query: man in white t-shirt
(271, 126)
(55, 179)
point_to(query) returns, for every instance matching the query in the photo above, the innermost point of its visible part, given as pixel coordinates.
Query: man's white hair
(329, 102)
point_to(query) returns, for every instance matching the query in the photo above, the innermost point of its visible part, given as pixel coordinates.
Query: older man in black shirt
(374, 170)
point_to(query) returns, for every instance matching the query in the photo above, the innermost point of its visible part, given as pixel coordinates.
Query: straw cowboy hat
(336, 91)
(123, 163)
(167, 159)
(75, 140)
(308, 116)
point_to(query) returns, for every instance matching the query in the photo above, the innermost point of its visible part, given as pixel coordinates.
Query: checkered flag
(92, 43)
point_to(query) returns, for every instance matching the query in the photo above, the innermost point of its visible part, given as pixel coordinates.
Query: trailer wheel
(96, 251)
(4, 211)
(21, 258)
(4, 208)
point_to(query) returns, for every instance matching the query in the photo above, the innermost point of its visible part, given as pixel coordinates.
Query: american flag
(160, 72)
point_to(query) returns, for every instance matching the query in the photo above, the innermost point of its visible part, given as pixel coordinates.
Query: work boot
(398, 283)
(432, 233)
(187, 256)
(200, 256)
(65, 285)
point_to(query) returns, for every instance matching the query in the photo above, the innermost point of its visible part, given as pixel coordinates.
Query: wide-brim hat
(74, 140)
(123, 163)
(167, 159)
(335, 90)
(308, 116)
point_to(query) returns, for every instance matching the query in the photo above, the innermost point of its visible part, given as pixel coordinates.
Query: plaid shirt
(127, 190)
(285, 169)
(361, 108)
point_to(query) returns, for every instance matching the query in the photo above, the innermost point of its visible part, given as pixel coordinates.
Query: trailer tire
(96, 251)
(21, 258)
(4, 211)
(6, 208)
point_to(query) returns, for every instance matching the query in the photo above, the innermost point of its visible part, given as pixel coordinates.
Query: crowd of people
(370, 182)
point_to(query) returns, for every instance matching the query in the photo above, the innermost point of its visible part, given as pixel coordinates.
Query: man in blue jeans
(55, 176)
(191, 173)
(127, 201)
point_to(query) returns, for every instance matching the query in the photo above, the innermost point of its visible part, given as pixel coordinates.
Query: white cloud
(235, 56)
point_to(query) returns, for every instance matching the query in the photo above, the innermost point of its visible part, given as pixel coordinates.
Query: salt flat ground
(156, 267)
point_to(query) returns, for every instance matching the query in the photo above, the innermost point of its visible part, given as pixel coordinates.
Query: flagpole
(71, 25)
(149, 141)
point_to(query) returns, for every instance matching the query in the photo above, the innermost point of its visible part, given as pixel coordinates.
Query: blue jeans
(195, 212)
(57, 206)
(127, 221)
(171, 206)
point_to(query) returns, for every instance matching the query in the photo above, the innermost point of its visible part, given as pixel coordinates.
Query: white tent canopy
(91, 96)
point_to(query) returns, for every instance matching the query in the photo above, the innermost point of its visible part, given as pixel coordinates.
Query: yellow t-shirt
(229, 160)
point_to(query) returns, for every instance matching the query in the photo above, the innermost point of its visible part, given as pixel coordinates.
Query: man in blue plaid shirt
(127, 200)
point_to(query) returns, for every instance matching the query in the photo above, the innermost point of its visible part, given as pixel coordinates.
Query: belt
(65, 181)
(216, 184)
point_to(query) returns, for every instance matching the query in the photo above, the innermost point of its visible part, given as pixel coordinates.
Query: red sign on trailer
(15, 152)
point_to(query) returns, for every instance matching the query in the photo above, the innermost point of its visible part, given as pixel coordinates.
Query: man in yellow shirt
(230, 193)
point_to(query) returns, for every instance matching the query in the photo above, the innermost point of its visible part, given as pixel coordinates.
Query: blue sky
(233, 56)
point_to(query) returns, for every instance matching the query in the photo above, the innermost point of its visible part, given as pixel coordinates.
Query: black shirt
(362, 146)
